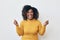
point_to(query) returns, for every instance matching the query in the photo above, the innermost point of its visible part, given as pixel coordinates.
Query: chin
(30, 18)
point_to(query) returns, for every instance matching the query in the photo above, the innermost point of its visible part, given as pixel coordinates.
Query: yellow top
(29, 29)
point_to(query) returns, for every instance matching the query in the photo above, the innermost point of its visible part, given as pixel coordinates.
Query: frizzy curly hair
(25, 10)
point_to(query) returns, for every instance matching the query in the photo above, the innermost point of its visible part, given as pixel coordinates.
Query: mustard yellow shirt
(29, 29)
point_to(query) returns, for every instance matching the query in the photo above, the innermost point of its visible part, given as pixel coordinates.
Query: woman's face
(30, 14)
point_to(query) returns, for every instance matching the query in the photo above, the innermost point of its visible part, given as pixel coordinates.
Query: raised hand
(46, 23)
(16, 23)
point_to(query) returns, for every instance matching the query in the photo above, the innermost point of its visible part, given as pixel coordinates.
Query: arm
(41, 28)
(19, 29)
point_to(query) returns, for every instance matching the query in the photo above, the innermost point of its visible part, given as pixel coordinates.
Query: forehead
(30, 10)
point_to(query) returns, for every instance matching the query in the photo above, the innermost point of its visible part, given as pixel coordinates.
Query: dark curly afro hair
(25, 10)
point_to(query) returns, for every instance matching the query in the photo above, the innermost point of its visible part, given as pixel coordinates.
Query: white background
(11, 9)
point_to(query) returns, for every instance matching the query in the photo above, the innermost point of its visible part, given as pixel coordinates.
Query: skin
(30, 17)
(30, 14)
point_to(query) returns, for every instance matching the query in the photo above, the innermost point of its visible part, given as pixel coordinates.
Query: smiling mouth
(30, 16)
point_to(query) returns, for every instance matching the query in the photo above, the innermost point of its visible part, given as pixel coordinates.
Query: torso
(30, 30)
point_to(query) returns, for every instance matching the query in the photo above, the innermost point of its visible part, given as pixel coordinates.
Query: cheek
(27, 14)
(32, 14)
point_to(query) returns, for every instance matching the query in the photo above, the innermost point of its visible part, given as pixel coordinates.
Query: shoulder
(38, 21)
(22, 21)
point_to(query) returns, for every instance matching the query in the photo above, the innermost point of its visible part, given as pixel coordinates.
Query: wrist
(45, 24)
(17, 25)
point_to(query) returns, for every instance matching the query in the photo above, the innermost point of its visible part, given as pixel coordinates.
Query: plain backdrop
(11, 9)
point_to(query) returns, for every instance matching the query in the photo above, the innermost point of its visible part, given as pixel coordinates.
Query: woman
(30, 26)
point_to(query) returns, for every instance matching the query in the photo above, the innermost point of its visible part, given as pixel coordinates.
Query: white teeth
(29, 16)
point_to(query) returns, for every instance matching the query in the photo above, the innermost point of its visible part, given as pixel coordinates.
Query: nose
(31, 14)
